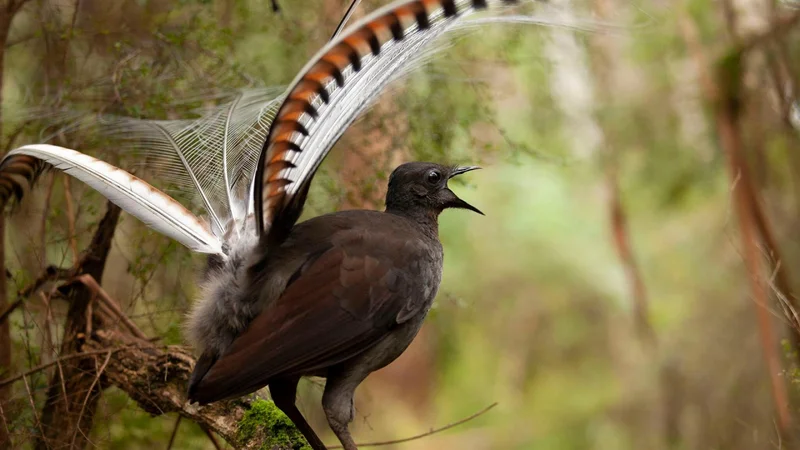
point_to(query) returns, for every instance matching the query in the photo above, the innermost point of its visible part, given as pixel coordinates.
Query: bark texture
(74, 389)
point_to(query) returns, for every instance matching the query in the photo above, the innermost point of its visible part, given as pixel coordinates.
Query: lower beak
(458, 203)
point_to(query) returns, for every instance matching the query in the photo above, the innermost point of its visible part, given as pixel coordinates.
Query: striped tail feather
(22, 166)
(18, 174)
(333, 89)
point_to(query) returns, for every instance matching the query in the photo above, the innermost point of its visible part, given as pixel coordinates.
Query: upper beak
(458, 203)
(460, 170)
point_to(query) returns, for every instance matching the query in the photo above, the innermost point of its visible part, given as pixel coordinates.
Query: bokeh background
(607, 300)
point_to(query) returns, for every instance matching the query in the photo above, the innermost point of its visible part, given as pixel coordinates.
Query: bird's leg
(337, 402)
(284, 394)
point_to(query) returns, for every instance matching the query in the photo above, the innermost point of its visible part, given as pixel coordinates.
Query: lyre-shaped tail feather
(212, 157)
(20, 168)
(333, 89)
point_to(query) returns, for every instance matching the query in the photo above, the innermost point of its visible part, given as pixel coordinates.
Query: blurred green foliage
(535, 310)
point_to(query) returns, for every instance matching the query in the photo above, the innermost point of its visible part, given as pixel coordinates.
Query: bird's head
(423, 186)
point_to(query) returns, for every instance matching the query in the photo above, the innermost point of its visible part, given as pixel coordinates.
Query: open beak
(457, 202)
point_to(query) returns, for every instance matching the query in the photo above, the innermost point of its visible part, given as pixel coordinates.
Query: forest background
(631, 286)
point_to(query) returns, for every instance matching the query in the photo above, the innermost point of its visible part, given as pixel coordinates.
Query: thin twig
(5, 422)
(70, 34)
(41, 367)
(48, 347)
(174, 432)
(88, 395)
(212, 438)
(619, 225)
(63, 384)
(33, 408)
(92, 284)
(116, 74)
(12, 137)
(49, 274)
(9, 309)
(429, 433)
(89, 315)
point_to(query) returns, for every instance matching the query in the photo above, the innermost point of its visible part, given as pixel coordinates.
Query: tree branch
(112, 305)
(51, 273)
(54, 362)
(156, 379)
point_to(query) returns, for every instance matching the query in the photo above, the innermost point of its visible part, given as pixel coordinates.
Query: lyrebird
(338, 296)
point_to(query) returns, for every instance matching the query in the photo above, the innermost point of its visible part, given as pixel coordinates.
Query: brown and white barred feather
(18, 175)
(21, 167)
(329, 93)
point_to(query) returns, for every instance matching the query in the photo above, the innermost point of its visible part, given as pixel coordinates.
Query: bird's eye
(434, 177)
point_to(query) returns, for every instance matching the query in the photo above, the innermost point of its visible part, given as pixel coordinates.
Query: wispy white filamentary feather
(156, 209)
(213, 157)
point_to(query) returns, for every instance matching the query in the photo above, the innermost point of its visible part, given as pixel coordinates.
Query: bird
(343, 296)
(339, 295)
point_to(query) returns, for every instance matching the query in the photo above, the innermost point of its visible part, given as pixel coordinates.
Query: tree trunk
(5, 334)
(72, 400)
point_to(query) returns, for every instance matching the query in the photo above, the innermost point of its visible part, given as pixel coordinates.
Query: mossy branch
(155, 377)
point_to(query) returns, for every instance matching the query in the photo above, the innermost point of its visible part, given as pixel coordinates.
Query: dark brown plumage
(362, 284)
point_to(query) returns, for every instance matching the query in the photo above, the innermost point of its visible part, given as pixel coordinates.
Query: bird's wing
(337, 85)
(20, 168)
(341, 304)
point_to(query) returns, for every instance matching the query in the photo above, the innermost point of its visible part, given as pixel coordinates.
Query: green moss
(264, 416)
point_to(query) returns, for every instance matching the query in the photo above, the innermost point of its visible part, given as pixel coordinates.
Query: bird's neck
(425, 219)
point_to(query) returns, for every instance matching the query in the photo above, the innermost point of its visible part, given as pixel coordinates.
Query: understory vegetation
(632, 286)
